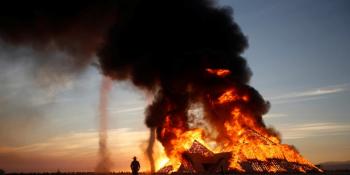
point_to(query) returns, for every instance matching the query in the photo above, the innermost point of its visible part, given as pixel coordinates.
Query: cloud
(314, 130)
(122, 138)
(275, 115)
(323, 127)
(127, 110)
(313, 94)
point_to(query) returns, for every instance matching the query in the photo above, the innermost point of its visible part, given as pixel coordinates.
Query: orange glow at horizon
(76, 152)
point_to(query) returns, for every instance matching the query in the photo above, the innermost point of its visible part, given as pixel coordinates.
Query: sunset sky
(298, 53)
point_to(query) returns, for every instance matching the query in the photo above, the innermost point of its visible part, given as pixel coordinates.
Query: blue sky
(298, 52)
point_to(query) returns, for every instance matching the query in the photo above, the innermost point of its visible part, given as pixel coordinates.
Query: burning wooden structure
(241, 140)
(199, 159)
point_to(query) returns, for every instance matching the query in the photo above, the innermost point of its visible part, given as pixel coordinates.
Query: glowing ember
(219, 72)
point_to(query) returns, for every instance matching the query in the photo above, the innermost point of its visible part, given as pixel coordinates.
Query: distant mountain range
(336, 165)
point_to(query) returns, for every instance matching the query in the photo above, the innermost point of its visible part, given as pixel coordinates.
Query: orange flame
(244, 137)
(182, 141)
(219, 72)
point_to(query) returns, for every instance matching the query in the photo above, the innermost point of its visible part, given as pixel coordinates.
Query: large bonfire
(187, 54)
(241, 144)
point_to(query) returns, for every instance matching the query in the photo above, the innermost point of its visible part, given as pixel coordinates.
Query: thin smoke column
(149, 151)
(104, 165)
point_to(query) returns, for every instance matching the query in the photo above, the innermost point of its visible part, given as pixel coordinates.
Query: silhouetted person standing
(135, 166)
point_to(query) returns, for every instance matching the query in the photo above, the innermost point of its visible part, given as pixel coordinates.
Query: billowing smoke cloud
(74, 28)
(163, 47)
(167, 47)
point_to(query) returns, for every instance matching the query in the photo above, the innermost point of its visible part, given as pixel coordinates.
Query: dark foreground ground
(340, 172)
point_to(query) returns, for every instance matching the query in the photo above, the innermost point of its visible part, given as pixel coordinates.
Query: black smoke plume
(77, 28)
(165, 47)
